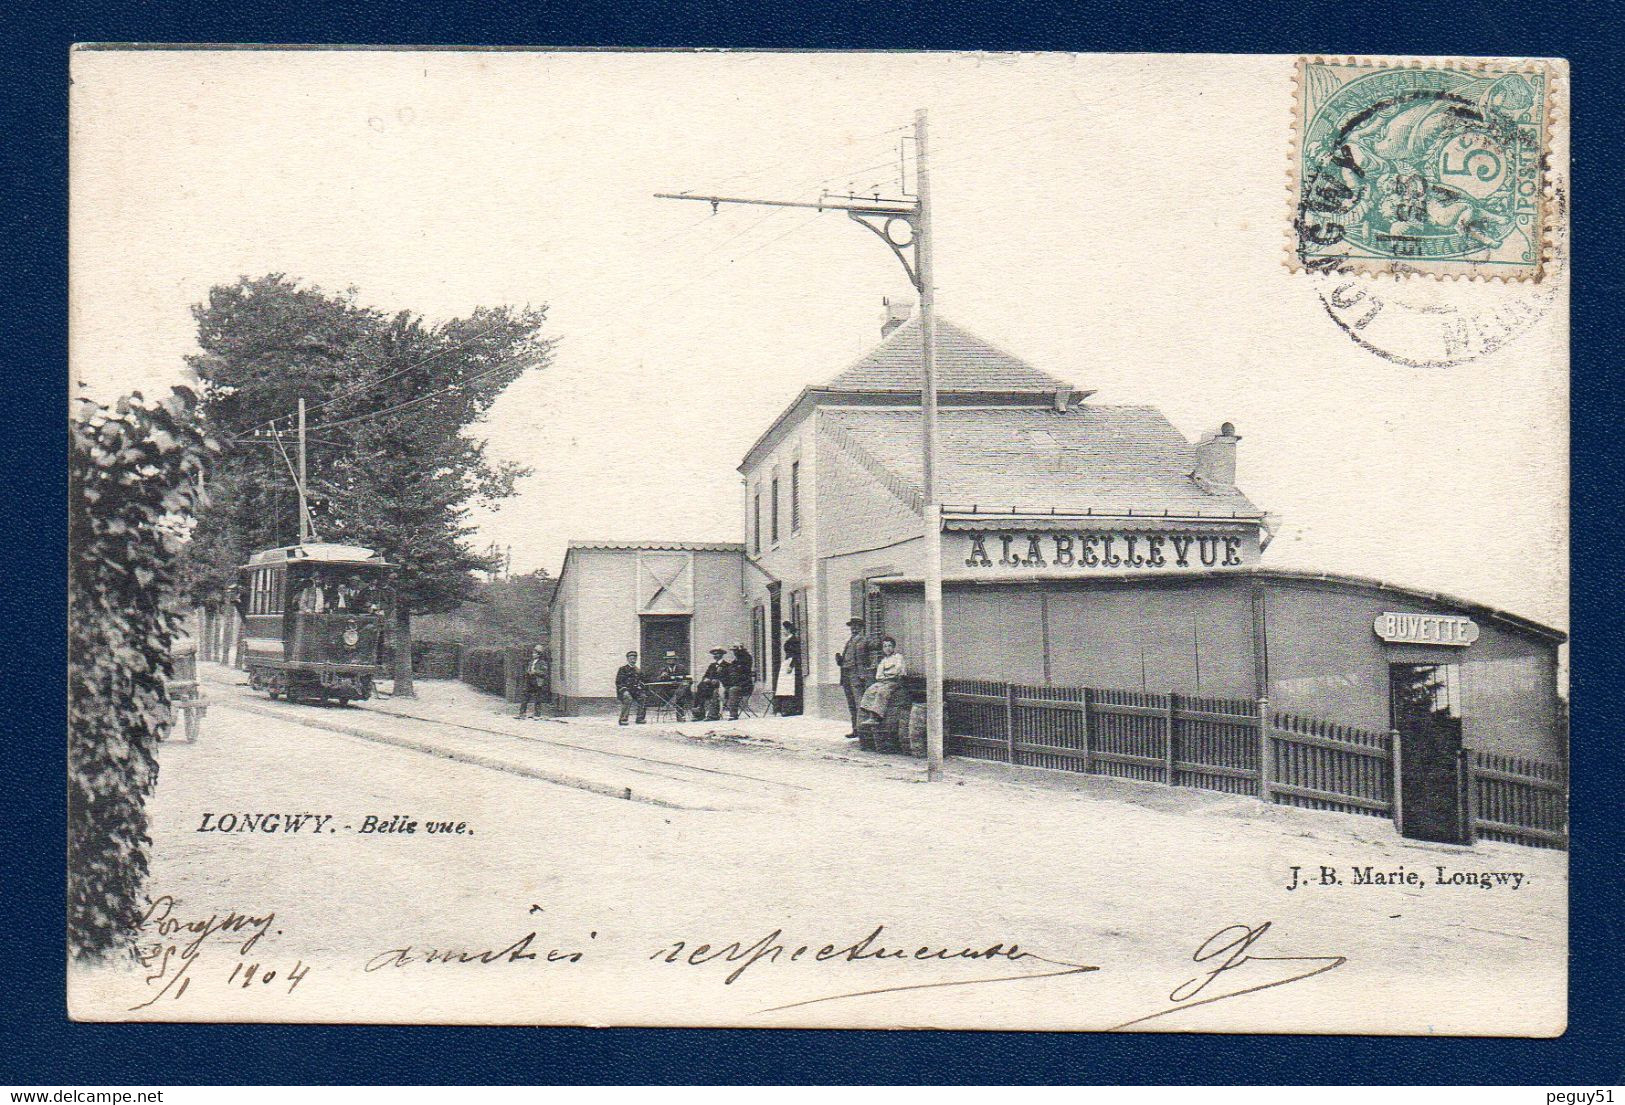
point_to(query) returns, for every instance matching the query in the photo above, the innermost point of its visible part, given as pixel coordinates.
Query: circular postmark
(1426, 323)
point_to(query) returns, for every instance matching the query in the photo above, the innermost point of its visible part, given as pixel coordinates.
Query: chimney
(897, 313)
(1216, 460)
(1063, 399)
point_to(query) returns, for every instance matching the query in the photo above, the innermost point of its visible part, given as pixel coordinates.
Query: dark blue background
(39, 1046)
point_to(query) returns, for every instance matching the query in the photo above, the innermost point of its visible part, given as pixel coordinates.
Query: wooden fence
(1519, 800)
(1224, 744)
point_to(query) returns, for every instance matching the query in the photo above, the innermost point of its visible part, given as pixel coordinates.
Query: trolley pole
(933, 506)
(304, 507)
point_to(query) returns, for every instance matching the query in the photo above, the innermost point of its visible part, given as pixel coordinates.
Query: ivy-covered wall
(135, 478)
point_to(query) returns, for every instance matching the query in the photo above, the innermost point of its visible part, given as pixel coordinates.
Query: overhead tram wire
(470, 339)
(356, 419)
(647, 303)
(461, 344)
(761, 170)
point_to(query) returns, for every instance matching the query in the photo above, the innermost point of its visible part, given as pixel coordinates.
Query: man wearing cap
(740, 680)
(857, 663)
(708, 692)
(629, 689)
(535, 688)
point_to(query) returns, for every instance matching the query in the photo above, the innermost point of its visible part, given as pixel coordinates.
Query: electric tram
(314, 616)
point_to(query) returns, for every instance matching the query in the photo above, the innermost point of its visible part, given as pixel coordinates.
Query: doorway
(1425, 705)
(662, 634)
(775, 634)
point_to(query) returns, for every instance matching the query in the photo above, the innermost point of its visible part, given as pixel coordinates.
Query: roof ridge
(879, 361)
(1002, 351)
(885, 340)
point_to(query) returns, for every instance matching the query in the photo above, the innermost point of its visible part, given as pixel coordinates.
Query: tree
(134, 477)
(503, 612)
(390, 400)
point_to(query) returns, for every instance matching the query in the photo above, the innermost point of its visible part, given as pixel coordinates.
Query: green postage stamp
(1405, 166)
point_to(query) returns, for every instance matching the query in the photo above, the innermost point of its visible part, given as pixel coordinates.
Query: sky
(1120, 221)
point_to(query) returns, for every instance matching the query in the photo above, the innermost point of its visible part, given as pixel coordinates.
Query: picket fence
(1225, 744)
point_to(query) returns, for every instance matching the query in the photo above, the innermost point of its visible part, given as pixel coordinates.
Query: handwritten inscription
(170, 946)
(774, 949)
(519, 951)
(1229, 962)
(1230, 950)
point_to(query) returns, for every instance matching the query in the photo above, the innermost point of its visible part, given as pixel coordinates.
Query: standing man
(535, 683)
(708, 694)
(857, 664)
(740, 680)
(629, 689)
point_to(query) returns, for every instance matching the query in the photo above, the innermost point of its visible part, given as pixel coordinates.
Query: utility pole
(904, 225)
(933, 503)
(304, 506)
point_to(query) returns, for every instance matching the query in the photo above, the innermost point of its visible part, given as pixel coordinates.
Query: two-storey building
(1083, 545)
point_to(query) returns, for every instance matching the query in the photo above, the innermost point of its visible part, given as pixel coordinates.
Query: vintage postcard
(849, 540)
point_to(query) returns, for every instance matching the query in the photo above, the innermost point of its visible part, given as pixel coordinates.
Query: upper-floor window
(774, 491)
(756, 522)
(795, 496)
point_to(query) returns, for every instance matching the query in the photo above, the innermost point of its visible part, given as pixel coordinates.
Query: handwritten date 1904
(170, 945)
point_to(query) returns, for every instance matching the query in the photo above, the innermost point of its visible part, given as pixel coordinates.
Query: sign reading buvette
(1426, 629)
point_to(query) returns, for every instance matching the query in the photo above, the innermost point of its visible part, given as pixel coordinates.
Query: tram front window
(340, 596)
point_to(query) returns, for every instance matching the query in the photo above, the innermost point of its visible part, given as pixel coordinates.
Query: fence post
(1088, 741)
(1469, 804)
(1010, 723)
(1168, 741)
(1265, 752)
(1397, 775)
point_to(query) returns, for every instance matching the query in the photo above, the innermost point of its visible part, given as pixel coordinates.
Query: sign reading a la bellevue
(1426, 629)
(988, 551)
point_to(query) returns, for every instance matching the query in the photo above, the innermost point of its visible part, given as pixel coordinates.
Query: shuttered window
(795, 496)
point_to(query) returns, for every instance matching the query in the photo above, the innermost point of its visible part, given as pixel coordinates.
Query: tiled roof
(964, 363)
(1111, 460)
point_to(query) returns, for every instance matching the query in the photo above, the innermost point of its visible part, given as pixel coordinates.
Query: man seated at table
(678, 689)
(629, 689)
(741, 680)
(708, 692)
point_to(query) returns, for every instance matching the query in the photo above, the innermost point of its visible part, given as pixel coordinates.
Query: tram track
(585, 748)
(667, 783)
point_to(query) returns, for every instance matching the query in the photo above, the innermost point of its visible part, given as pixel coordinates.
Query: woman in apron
(786, 703)
(888, 675)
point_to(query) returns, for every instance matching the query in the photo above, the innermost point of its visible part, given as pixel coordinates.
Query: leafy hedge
(430, 659)
(496, 670)
(485, 668)
(134, 482)
(436, 659)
